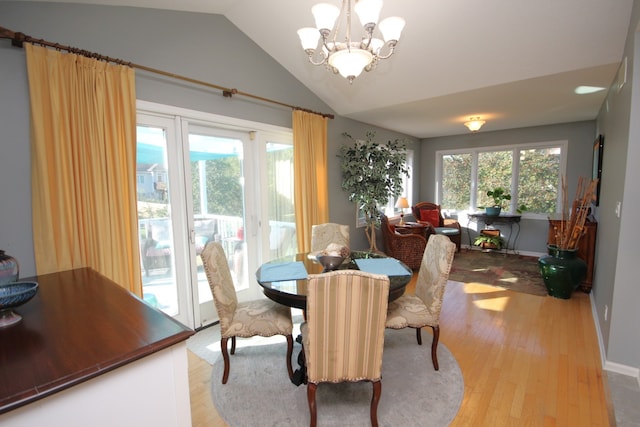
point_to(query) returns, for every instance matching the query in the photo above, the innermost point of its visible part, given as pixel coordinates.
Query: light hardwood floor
(526, 361)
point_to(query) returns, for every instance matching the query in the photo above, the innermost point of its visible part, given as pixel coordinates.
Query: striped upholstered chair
(346, 312)
(242, 319)
(423, 308)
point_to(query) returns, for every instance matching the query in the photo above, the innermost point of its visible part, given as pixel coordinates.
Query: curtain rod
(18, 39)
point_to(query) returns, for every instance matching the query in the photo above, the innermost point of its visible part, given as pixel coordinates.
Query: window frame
(563, 145)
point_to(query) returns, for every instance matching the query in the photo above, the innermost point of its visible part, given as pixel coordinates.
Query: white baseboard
(607, 365)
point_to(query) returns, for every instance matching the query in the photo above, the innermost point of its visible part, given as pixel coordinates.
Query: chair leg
(233, 345)
(225, 357)
(419, 336)
(375, 399)
(434, 346)
(289, 354)
(311, 398)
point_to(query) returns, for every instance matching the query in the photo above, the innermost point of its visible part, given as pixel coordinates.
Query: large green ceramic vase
(562, 271)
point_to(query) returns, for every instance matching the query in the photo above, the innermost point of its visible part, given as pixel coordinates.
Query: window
(390, 209)
(531, 173)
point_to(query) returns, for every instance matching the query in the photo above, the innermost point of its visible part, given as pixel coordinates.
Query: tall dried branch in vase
(571, 227)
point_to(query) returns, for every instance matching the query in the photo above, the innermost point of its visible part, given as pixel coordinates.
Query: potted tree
(372, 172)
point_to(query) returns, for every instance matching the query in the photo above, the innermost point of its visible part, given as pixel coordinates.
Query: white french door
(201, 180)
(216, 170)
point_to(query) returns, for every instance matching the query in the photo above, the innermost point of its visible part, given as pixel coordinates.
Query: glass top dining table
(284, 280)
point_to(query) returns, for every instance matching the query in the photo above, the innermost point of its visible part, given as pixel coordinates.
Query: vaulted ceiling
(514, 63)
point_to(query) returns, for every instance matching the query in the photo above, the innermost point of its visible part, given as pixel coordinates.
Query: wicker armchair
(407, 248)
(426, 212)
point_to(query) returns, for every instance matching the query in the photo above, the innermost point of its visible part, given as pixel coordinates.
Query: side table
(413, 228)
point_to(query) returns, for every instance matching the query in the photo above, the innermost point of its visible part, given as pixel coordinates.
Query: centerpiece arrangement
(562, 271)
(333, 256)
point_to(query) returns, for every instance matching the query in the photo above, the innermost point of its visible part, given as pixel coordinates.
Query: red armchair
(426, 212)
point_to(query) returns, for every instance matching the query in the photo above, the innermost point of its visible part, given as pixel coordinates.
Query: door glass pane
(281, 211)
(218, 207)
(456, 181)
(154, 220)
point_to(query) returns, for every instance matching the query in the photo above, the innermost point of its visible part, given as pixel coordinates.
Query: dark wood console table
(508, 219)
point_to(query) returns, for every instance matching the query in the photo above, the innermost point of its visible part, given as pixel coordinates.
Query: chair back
(216, 268)
(434, 272)
(346, 315)
(388, 231)
(324, 234)
(428, 212)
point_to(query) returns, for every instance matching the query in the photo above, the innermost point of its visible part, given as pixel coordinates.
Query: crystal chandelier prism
(330, 43)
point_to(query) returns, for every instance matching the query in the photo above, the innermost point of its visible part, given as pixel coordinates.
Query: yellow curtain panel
(83, 148)
(310, 174)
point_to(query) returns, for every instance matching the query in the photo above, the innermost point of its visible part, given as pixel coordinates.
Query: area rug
(516, 272)
(259, 392)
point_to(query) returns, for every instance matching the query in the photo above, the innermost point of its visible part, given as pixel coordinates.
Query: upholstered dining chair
(407, 248)
(430, 212)
(263, 317)
(322, 235)
(343, 336)
(423, 308)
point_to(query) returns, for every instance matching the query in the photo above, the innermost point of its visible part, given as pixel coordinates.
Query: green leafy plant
(486, 240)
(372, 173)
(499, 196)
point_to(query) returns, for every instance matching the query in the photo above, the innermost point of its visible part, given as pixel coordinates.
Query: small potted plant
(499, 196)
(488, 240)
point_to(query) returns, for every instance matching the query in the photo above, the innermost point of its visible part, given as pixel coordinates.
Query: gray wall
(203, 47)
(616, 274)
(580, 136)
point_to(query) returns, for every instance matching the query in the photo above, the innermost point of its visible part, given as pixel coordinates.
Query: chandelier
(330, 42)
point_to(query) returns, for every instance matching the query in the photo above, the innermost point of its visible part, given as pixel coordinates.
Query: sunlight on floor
(488, 301)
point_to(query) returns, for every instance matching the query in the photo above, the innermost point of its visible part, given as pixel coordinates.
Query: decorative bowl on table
(330, 262)
(13, 295)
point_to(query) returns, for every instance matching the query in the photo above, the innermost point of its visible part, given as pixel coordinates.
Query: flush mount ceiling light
(330, 42)
(585, 90)
(474, 124)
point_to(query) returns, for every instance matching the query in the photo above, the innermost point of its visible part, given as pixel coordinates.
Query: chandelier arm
(366, 39)
(391, 45)
(322, 61)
